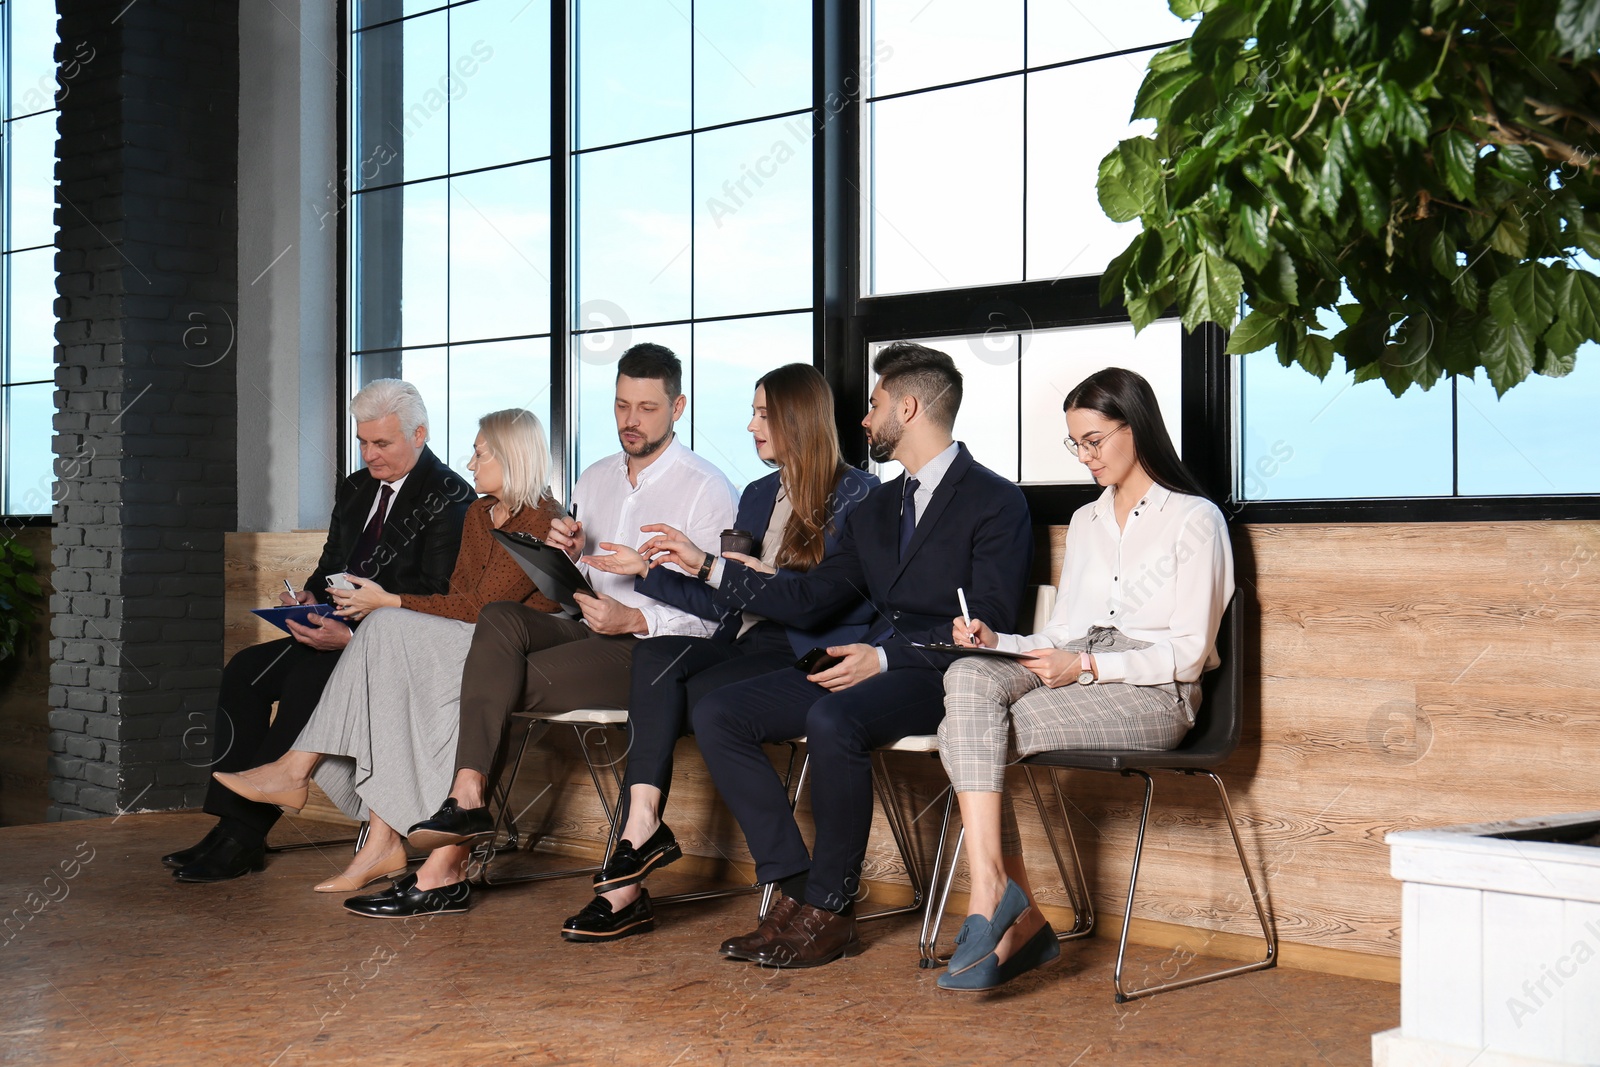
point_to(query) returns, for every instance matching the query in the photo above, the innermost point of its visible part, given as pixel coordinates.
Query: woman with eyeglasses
(1147, 575)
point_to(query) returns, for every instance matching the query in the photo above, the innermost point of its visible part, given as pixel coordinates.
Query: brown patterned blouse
(485, 571)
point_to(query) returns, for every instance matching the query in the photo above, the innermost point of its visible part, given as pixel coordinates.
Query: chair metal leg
(1073, 881)
(939, 889)
(1122, 994)
(770, 890)
(902, 841)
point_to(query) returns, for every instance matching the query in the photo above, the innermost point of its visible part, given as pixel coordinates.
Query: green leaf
(1563, 338)
(1247, 236)
(1506, 352)
(1373, 210)
(1208, 290)
(1316, 354)
(1455, 157)
(1578, 24)
(1515, 162)
(1442, 250)
(1464, 287)
(1146, 307)
(1159, 89)
(1188, 9)
(1511, 235)
(1348, 16)
(1118, 197)
(1257, 331)
(1330, 180)
(1406, 119)
(1553, 364)
(1115, 276)
(1524, 296)
(27, 584)
(1579, 300)
(1279, 281)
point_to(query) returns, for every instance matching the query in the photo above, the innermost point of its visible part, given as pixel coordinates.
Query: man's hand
(324, 635)
(566, 534)
(302, 597)
(607, 615)
(623, 560)
(1055, 667)
(860, 662)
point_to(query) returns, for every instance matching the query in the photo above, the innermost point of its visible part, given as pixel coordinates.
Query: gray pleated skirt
(388, 719)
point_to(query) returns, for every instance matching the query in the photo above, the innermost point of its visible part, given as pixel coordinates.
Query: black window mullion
(837, 90)
(561, 404)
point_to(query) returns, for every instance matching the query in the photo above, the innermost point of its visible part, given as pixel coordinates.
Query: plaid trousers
(997, 711)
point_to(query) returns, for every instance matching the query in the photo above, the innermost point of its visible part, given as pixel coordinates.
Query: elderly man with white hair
(397, 521)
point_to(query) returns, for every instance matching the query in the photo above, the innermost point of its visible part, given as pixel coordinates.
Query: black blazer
(421, 534)
(975, 535)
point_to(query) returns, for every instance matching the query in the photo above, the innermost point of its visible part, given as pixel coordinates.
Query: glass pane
(500, 252)
(32, 47)
(402, 102)
(1541, 437)
(728, 358)
(31, 317)
(633, 207)
(632, 69)
(595, 435)
(940, 216)
(29, 472)
(33, 166)
(429, 370)
(1060, 31)
(1055, 361)
(1068, 234)
(400, 260)
(753, 222)
(987, 420)
(499, 82)
(492, 377)
(750, 59)
(921, 43)
(367, 12)
(1301, 438)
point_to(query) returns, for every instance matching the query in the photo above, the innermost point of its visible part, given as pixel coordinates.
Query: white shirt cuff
(883, 661)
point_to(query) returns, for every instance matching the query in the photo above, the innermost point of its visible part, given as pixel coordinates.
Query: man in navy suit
(947, 523)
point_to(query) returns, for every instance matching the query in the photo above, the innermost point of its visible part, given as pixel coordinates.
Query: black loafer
(451, 825)
(185, 856)
(597, 922)
(225, 860)
(628, 865)
(403, 899)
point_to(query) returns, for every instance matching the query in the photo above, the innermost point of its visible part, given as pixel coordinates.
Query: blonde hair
(516, 438)
(383, 397)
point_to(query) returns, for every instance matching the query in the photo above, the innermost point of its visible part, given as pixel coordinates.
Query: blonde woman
(382, 741)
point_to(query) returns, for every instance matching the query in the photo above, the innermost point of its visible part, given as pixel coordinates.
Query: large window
(28, 93)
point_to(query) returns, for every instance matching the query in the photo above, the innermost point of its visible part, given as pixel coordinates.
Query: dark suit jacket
(976, 535)
(727, 602)
(421, 534)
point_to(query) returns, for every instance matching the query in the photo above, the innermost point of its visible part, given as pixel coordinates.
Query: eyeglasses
(1087, 447)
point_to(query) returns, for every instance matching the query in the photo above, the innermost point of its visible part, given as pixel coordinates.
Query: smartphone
(339, 581)
(816, 660)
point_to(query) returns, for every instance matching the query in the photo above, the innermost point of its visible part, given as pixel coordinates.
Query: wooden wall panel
(1397, 676)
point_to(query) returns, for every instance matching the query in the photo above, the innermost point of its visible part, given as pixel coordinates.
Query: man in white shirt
(522, 659)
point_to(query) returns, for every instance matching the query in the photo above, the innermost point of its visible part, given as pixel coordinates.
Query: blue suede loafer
(979, 937)
(990, 973)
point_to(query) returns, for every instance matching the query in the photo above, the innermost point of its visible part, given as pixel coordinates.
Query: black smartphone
(816, 660)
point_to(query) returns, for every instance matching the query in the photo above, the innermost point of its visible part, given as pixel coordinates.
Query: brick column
(147, 232)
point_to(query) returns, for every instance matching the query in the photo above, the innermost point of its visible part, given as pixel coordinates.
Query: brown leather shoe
(812, 938)
(777, 920)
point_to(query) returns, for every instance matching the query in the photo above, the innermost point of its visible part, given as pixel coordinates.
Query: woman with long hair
(382, 740)
(1147, 576)
(798, 515)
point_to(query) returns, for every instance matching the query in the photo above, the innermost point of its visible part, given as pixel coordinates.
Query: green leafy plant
(18, 590)
(1423, 170)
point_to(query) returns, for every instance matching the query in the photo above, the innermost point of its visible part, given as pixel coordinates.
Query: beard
(881, 446)
(646, 447)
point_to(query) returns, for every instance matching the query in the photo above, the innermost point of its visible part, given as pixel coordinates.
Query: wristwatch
(705, 567)
(1085, 669)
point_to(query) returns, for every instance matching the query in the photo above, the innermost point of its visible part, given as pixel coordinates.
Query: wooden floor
(106, 960)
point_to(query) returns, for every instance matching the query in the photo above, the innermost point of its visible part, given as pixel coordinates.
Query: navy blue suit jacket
(976, 535)
(844, 625)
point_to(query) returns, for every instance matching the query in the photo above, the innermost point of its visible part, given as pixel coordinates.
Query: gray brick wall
(147, 232)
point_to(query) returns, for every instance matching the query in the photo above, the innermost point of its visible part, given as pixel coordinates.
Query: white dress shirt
(377, 498)
(680, 489)
(1165, 578)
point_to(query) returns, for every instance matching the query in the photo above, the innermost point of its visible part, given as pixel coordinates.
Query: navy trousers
(841, 730)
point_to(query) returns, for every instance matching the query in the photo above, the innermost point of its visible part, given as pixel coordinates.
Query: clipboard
(556, 576)
(300, 613)
(963, 650)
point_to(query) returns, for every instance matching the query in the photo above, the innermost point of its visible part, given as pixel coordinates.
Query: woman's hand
(1055, 667)
(974, 634)
(367, 596)
(671, 546)
(753, 563)
(623, 560)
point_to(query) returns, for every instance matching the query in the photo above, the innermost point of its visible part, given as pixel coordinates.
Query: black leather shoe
(597, 922)
(451, 825)
(628, 865)
(228, 858)
(403, 899)
(185, 856)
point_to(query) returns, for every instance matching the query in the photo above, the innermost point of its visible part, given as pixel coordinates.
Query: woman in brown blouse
(382, 741)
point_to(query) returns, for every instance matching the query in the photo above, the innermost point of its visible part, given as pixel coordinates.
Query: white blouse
(1165, 578)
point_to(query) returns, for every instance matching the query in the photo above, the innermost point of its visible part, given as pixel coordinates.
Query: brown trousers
(524, 660)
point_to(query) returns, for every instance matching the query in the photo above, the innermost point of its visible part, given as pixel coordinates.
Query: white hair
(516, 438)
(383, 397)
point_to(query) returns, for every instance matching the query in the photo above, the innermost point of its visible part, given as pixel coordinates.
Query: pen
(289, 587)
(966, 616)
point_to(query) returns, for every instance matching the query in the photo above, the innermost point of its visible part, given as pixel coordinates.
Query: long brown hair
(800, 418)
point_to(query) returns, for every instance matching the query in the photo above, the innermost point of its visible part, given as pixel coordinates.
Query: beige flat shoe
(290, 800)
(394, 863)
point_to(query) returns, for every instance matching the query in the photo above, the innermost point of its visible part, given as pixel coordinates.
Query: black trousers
(671, 675)
(286, 672)
(841, 730)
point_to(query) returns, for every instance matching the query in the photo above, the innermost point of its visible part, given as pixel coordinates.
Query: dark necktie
(908, 515)
(361, 559)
